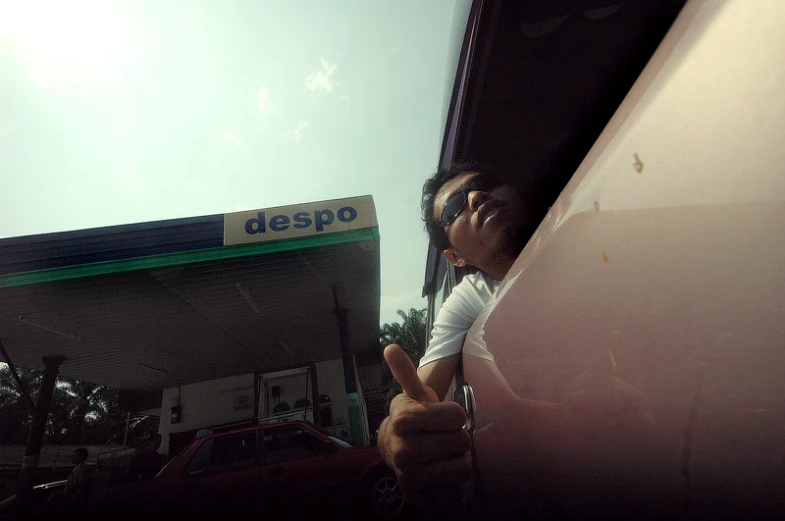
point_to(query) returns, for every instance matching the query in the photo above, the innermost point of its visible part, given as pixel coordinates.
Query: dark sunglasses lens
(452, 208)
(457, 201)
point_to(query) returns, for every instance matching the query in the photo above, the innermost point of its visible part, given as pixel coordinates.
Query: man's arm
(423, 438)
(438, 375)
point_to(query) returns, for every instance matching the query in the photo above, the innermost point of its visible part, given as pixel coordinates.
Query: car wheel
(385, 494)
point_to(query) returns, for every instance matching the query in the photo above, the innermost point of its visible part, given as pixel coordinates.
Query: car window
(237, 450)
(291, 443)
(201, 459)
(224, 453)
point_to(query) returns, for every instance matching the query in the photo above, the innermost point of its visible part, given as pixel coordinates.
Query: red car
(276, 468)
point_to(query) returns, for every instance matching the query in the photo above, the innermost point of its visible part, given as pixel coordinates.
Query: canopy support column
(356, 420)
(35, 437)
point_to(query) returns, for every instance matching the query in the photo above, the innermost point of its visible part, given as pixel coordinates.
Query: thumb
(405, 373)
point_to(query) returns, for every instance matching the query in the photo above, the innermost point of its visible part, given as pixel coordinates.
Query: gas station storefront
(243, 317)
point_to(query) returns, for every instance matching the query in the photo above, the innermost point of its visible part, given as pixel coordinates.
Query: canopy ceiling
(164, 304)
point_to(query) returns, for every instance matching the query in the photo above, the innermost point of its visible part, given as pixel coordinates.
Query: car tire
(384, 494)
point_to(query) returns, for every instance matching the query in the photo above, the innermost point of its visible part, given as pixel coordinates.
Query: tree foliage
(411, 335)
(81, 413)
(14, 410)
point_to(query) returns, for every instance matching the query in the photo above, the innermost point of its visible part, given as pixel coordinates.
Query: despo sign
(300, 220)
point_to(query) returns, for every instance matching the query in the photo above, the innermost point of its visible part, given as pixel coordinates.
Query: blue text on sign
(300, 220)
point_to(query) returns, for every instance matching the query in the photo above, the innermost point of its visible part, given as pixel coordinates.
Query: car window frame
(322, 440)
(210, 469)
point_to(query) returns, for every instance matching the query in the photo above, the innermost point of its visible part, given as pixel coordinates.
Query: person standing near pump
(477, 220)
(78, 487)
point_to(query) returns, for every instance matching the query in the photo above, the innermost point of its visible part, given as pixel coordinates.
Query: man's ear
(454, 257)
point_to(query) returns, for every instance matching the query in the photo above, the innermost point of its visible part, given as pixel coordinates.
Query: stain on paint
(596, 206)
(614, 366)
(638, 164)
(604, 256)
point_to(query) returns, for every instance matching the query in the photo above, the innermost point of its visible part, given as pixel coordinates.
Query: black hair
(82, 451)
(429, 190)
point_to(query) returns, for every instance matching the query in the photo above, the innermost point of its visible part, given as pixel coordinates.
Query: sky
(122, 112)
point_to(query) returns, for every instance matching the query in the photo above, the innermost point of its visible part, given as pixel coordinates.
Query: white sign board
(302, 220)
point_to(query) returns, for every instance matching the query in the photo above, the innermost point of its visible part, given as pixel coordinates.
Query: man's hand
(423, 439)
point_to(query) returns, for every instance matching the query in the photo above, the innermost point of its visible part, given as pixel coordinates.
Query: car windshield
(170, 465)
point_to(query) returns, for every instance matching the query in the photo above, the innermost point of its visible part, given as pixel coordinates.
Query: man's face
(488, 226)
(76, 457)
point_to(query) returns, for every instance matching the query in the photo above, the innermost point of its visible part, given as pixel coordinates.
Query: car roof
(239, 430)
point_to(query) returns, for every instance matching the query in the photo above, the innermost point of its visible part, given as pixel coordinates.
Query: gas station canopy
(157, 305)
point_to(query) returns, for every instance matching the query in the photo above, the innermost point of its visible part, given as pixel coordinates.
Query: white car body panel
(633, 361)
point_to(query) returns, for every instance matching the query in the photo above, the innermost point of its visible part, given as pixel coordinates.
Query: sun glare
(79, 41)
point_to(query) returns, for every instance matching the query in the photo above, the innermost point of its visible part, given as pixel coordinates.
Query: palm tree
(80, 402)
(80, 412)
(14, 409)
(88, 413)
(411, 335)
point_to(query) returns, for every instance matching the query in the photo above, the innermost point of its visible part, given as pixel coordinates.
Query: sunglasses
(457, 201)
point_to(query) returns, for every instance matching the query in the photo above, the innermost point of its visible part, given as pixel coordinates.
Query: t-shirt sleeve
(457, 315)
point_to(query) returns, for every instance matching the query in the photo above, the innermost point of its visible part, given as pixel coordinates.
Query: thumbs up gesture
(423, 439)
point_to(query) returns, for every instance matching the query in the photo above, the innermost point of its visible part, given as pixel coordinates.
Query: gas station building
(210, 322)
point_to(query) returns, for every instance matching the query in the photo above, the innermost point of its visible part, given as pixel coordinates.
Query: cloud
(323, 78)
(344, 98)
(297, 133)
(264, 99)
(233, 140)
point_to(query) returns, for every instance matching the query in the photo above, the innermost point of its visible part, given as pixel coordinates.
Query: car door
(223, 473)
(632, 362)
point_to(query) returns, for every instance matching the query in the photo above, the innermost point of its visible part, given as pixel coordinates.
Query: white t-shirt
(80, 474)
(457, 315)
